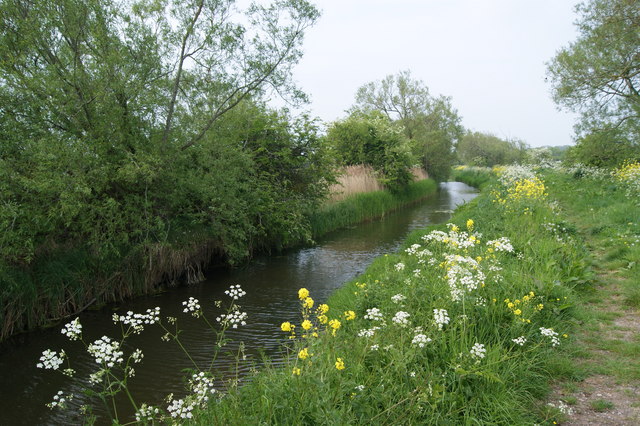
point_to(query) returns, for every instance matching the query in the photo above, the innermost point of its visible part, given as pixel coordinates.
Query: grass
(361, 207)
(469, 369)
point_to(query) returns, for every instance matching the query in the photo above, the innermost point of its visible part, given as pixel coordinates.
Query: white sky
(488, 55)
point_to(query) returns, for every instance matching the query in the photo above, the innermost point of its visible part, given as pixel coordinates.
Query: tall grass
(360, 207)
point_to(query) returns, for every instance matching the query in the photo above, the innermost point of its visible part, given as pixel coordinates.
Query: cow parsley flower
(401, 318)
(73, 330)
(50, 360)
(192, 305)
(478, 351)
(420, 340)
(235, 292)
(441, 317)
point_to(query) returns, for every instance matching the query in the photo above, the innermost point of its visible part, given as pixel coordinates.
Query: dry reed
(362, 178)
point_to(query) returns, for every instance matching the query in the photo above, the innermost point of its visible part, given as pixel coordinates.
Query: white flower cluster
(106, 351)
(562, 407)
(398, 298)
(235, 292)
(60, 401)
(374, 314)
(50, 360)
(512, 174)
(192, 305)
(368, 332)
(401, 318)
(95, 378)
(233, 319)
(441, 317)
(73, 330)
(138, 321)
(413, 250)
(478, 351)
(399, 266)
(181, 409)
(420, 340)
(147, 413)
(137, 356)
(501, 244)
(202, 386)
(520, 340)
(463, 275)
(552, 335)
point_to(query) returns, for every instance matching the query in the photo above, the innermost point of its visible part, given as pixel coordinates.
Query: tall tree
(431, 124)
(598, 75)
(148, 71)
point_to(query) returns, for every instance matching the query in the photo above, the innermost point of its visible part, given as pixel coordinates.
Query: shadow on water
(271, 284)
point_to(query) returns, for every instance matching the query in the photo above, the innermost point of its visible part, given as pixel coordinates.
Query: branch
(176, 84)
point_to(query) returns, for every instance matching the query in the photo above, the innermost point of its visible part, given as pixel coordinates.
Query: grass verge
(462, 326)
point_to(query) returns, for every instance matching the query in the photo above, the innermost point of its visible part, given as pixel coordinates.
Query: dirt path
(609, 357)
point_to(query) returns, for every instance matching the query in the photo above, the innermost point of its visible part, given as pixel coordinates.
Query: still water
(271, 284)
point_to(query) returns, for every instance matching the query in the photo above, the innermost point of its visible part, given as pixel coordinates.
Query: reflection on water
(271, 284)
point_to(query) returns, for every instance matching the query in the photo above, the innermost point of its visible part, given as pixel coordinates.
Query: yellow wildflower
(322, 319)
(296, 371)
(517, 312)
(287, 326)
(335, 325)
(470, 224)
(308, 303)
(323, 308)
(306, 324)
(303, 293)
(303, 354)
(340, 364)
(349, 315)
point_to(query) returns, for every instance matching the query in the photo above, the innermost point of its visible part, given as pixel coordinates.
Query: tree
(598, 75)
(485, 149)
(371, 138)
(432, 125)
(129, 74)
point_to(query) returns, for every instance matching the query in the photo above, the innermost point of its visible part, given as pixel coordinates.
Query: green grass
(361, 207)
(387, 379)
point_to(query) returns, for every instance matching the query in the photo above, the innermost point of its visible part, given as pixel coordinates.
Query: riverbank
(468, 323)
(365, 206)
(65, 281)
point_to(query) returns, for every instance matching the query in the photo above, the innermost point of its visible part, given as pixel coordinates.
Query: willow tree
(102, 102)
(135, 73)
(598, 75)
(431, 123)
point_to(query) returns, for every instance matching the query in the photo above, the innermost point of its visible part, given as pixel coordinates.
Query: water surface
(271, 284)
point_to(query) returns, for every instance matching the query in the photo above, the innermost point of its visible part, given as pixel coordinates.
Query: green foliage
(431, 124)
(137, 127)
(603, 149)
(373, 139)
(598, 74)
(367, 206)
(487, 150)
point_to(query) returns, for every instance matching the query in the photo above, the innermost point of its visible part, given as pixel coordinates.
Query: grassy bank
(66, 280)
(464, 326)
(360, 207)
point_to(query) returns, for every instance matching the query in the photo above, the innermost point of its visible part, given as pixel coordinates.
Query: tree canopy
(431, 124)
(598, 75)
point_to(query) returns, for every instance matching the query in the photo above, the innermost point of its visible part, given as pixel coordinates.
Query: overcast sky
(487, 55)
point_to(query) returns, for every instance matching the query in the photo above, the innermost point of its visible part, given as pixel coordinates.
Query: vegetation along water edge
(470, 322)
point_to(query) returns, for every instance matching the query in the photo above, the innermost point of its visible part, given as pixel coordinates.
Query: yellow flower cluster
(522, 191)
(629, 171)
(525, 303)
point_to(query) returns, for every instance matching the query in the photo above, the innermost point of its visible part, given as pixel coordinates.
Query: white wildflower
(235, 292)
(73, 330)
(478, 351)
(50, 360)
(420, 340)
